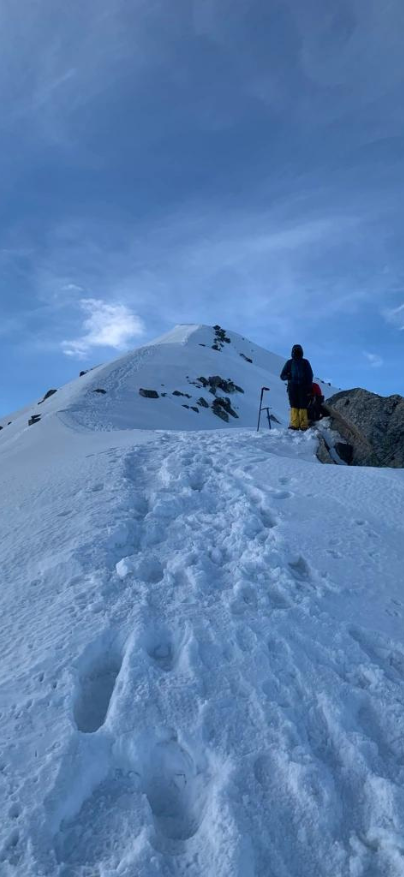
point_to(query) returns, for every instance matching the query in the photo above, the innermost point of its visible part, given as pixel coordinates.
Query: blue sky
(201, 161)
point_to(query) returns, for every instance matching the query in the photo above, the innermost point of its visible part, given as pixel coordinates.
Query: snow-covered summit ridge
(108, 396)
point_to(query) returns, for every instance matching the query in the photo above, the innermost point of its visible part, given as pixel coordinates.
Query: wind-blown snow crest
(202, 653)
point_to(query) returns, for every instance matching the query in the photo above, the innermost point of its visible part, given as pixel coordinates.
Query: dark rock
(215, 383)
(184, 405)
(223, 404)
(220, 412)
(202, 402)
(149, 394)
(164, 394)
(247, 358)
(98, 390)
(34, 419)
(10, 421)
(373, 425)
(178, 393)
(345, 452)
(1, 427)
(47, 396)
(194, 408)
(201, 345)
(83, 373)
(220, 338)
(323, 454)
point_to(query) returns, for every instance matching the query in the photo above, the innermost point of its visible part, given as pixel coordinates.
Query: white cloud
(106, 325)
(395, 316)
(72, 287)
(374, 359)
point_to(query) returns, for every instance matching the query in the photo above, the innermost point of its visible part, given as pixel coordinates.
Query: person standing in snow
(298, 372)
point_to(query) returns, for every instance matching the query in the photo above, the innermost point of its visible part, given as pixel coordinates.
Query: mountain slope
(171, 364)
(202, 653)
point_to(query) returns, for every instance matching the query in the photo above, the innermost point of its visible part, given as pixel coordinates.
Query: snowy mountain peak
(166, 384)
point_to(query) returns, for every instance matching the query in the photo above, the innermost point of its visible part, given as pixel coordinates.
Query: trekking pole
(263, 390)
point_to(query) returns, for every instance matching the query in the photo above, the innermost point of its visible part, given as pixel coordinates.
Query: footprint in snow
(246, 638)
(300, 569)
(267, 519)
(381, 652)
(281, 494)
(177, 791)
(107, 824)
(246, 599)
(264, 771)
(96, 685)
(10, 852)
(394, 613)
(147, 569)
(164, 647)
(14, 811)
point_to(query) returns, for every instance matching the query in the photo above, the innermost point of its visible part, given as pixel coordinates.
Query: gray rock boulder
(373, 425)
(149, 394)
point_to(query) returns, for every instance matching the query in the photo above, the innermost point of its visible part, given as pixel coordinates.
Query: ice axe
(263, 390)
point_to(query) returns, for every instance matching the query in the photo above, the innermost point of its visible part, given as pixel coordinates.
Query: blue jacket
(298, 372)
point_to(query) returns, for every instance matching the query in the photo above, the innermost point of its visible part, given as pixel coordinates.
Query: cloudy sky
(166, 161)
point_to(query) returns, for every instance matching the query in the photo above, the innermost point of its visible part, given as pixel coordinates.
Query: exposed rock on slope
(373, 425)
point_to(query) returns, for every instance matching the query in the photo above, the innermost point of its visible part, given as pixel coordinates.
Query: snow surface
(202, 638)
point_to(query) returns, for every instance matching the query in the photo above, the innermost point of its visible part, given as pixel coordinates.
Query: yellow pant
(299, 418)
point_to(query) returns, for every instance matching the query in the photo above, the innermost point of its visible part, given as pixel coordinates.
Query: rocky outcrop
(222, 408)
(372, 425)
(47, 395)
(220, 338)
(34, 419)
(215, 383)
(148, 394)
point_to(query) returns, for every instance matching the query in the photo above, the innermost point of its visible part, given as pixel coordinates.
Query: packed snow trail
(204, 672)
